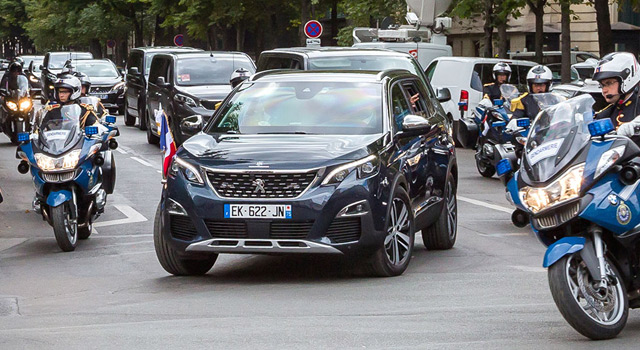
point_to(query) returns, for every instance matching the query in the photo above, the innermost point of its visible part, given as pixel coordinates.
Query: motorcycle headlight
(117, 87)
(25, 105)
(12, 105)
(365, 167)
(565, 188)
(66, 162)
(607, 159)
(189, 171)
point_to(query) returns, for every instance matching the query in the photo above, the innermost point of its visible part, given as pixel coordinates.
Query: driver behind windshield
(14, 70)
(538, 82)
(67, 91)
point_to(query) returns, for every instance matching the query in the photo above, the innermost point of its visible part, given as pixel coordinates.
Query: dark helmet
(15, 67)
(239, 76)
(69, 82)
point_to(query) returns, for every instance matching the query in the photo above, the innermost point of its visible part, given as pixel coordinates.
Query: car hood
(208, 92)
(96, 81)
(278, 151)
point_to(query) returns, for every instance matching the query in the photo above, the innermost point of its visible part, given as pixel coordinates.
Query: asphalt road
(489, 292)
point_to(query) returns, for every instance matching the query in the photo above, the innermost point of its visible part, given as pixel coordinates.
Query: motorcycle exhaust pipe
(23, 167)
(520, 218)
(630, 173)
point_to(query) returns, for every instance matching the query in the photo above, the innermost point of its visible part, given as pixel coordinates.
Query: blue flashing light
(503, 167)
(462, 103)
(498, 102)
(600, 127)
(523, 122)
(91, 130)
(23, 136)
(110, 119)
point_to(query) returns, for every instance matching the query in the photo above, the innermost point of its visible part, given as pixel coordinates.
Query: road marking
(530, 268)
(159, 171)
(143, 162)
(503, 234)
(132, 216)
(485, 204)
(121, 150)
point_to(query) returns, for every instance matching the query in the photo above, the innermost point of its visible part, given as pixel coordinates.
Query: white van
(423, 52)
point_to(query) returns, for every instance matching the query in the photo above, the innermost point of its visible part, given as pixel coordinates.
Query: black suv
(52, 65)
(107, 83)
(138, 66)
(188, 83)
(300, 162)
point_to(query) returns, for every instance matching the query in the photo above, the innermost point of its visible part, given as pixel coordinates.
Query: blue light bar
(503, 167)
(91, 130)
(523, 122)
(23, 136)
(498, 102)
(462, 103)
(600, 127)
(496, 124)
(110, 119)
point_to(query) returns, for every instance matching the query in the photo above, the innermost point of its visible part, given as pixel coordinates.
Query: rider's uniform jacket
(100, 111)
(525, 106)
(88, 117)
(491, 91)
(622, 111)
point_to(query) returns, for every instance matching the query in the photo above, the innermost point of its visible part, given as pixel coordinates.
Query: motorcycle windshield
(547, 99)
(509, 92)
(60, 130)
(18, 86)
(557, 135)
(90, 100)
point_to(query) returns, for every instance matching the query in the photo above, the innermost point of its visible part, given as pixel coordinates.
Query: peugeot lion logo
(259, 183)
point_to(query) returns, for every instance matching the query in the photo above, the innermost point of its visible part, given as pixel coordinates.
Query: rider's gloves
(630, 129)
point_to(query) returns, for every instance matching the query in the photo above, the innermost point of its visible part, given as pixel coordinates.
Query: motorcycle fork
(600, 248)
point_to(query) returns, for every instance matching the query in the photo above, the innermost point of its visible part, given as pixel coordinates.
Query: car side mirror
(443, 94)
(192, 124)
(41, 67)
(414, 125)
(134, 71)
(122, 71)
(4, 92)
(161, 82)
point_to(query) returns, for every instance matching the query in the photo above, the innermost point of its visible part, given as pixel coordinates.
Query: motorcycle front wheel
(64, 219)
(597, 312)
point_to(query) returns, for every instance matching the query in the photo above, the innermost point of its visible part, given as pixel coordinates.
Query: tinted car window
(149, 59)
(273, 62)
(371, 63)
(485, 71)
(209, 70)
(431, 69)
(98, 69)
(302, 107)
(158, 69)
(135, 60)
(399, 105)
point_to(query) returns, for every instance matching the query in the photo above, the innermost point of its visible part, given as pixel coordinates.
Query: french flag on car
(167, 145)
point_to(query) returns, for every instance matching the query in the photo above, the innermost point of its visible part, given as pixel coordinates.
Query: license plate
(102, 97)
(257, 211)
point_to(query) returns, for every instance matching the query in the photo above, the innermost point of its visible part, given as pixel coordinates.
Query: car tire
(171, 261)
(141, 116)
(129, 120)
(151, 138)
(394, 255)
(443, 233)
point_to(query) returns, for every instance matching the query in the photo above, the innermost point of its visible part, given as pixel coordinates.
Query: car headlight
(364, 167)
(186, 100)
(607, 159)
(189, 171)
(66, 162)
(33, 79)
(117, 87)
(567, 187)
(25, 105)
(12, 105)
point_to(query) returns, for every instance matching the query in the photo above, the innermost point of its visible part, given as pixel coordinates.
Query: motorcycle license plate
(257, 211)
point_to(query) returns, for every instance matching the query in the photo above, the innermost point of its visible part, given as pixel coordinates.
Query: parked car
(138, 65)
(549, 57)
(34, 74)
(106, 83)
(52, 65)
(188, 83)
(27, 59)
(344, 58)
(312, 162)
(465, 77)
(586, 68)
(587, 87)
(557, 74)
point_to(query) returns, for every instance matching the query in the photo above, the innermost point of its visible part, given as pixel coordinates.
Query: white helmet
(539, 75)
(501, 68)
(620, 65)
(69, 82)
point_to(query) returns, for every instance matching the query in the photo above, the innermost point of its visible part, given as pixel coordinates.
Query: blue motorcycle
(73, 170)
(578, 188)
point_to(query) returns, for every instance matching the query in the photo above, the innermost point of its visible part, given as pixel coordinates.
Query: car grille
(344, 230)
(209, 104)
(290, 230)
(100, 89)
(58, 177)
(558, 216)
(260, 185)
(182, 228)
(226, 229)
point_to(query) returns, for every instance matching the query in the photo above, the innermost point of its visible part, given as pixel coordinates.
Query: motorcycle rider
(618, 76)
(67, 90)
(15, 69)
(501, 74)
(538, 81)
(237, 77)
(86, 87)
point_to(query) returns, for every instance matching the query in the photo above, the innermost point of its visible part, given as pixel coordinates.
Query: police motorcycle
(578, 188)
(17, 107)
(73, 171)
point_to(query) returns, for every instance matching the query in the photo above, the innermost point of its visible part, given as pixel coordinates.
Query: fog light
(175, 208)
(99, 160)
(355, 209)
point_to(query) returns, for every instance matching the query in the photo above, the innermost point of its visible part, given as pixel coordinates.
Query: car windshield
(302, 107)
(369, 63)
(59, 129)
(56, 61)
(209, 70)
(36, 65)
(97, 69)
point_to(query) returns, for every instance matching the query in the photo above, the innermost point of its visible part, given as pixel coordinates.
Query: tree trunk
(538, 11)
(95, 48)
(334, 23)
(565, 36)
(487, 50)
(240, 36)
(605, 35)
(305, 6)
(502, 40)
